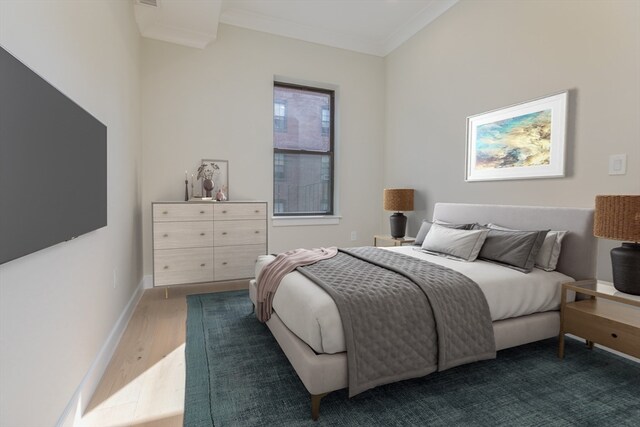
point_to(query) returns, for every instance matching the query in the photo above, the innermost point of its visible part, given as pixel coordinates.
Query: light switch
(617, 164)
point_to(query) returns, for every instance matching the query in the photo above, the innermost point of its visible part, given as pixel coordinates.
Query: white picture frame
(523, 141)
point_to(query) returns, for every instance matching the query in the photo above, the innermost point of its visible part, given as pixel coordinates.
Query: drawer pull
(166, 267)
(165, 212)
(224, 263)
(201, 212)
(257, 232)
(224, 211)
(257, 211)
(224, 233)
(202, 265)
(202, 234)
(614, 335)
(165, 235)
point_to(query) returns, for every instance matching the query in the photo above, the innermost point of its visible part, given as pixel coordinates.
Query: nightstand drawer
(236, 262)
(175, 266)
(182, 212)
(605, 331)
(186, 234)
(245, 232)
(233, 211)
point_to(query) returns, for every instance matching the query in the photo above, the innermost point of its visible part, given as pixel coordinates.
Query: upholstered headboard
(579, 247)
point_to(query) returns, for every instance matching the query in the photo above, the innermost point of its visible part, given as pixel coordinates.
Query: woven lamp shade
(617, 218)
(398, 199)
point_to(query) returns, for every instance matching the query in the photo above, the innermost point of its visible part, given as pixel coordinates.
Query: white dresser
(207, 241)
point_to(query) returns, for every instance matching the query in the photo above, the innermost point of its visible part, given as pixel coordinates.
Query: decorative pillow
(426, 225)
(514, 248)
(463, 244)
(549, 252)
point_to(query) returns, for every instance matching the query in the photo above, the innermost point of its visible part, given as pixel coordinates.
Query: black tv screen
(53, 164)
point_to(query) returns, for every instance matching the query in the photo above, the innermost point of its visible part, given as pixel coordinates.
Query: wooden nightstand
(393, 241)
(609, 317)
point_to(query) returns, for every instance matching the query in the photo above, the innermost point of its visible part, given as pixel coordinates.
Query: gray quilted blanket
(403, 317)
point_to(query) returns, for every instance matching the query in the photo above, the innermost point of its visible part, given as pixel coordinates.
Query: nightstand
(391, 241)
(608, 317)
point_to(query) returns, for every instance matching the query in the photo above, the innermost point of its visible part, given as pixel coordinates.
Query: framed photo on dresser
(214, 174)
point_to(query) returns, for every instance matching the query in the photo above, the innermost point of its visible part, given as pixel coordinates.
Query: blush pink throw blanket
(273, 273)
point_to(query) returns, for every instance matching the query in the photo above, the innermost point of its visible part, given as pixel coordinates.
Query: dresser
(197, 242)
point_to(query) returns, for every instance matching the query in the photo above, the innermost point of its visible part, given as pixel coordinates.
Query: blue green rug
(238, 376)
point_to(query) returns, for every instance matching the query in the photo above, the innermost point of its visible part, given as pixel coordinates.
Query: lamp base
(398, 224)
(625, 261)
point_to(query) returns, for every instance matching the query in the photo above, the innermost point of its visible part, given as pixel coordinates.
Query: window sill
(289, 221)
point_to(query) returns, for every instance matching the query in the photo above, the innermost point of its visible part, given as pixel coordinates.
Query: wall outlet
(354, 236)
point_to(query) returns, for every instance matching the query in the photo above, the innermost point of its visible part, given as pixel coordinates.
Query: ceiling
(374, 27)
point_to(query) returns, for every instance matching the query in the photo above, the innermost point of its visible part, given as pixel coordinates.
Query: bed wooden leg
(315, 405)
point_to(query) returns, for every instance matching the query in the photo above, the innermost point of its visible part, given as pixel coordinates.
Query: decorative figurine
(220, 196)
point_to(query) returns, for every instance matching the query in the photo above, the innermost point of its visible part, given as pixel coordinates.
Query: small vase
(208, 187)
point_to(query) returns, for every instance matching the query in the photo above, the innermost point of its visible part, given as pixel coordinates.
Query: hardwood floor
(144, 382)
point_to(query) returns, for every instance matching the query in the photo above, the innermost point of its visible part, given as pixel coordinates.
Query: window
(280, 116)
(326, 120)
(303, 152)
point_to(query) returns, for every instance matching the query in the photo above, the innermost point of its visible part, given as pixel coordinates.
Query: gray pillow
(514, 248)
(549, 252)
(426, 225)
(463, 244)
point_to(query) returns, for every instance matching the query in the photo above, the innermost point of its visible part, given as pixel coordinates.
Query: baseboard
(147, 281)
(80, 399)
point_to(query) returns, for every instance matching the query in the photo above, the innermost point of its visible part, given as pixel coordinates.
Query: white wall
(58, 305)
(480, 56)
(218, 103)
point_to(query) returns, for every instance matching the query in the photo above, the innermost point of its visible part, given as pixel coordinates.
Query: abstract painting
(523, 141)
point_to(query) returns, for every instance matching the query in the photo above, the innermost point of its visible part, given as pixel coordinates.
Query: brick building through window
(303, 150)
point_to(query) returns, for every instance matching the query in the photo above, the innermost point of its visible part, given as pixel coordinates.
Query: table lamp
(398, 199)
(618, 218)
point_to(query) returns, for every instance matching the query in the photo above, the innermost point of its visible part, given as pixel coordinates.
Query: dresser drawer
(182, 212)
(236, 262)
(243, 232)
(175, 266)
(233, 211)
(186, 234)
(604, 331)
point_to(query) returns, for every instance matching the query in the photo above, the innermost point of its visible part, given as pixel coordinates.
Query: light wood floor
(144, 382)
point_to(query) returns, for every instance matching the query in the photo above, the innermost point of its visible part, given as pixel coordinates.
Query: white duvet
(311, 314)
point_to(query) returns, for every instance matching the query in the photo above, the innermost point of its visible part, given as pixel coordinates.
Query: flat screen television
(53, 164)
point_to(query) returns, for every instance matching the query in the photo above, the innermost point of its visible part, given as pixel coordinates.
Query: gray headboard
(579, 247)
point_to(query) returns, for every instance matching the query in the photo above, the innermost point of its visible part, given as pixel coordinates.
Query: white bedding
(311, 314)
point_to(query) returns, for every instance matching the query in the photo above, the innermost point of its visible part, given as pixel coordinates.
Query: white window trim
(293, 221)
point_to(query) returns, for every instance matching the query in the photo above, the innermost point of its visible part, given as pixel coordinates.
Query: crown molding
(426, 16)
(192, 24)
(281, 27)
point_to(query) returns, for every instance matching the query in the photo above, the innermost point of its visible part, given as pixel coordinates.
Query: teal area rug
(238, 376)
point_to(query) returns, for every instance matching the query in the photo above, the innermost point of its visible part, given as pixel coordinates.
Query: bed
(307, 325)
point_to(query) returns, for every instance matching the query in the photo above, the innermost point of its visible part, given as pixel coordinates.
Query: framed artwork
(519, 142)
(213, 176)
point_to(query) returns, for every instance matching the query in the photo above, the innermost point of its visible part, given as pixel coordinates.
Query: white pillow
(547, 257)
(549, 252)
(464, 244)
